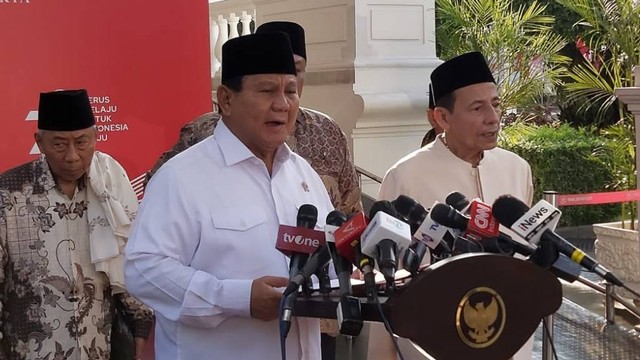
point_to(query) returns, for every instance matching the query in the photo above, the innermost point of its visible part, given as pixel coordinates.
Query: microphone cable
(387, 326)
(282, 328)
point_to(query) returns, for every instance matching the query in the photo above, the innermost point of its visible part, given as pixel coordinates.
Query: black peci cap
(265, 53)
(65, 110)
(464, 70)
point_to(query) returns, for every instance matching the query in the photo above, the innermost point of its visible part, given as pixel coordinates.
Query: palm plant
(618, 153)
(611, 33)
(519, 44)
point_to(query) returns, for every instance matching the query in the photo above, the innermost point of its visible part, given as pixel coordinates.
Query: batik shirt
(316, 137)
(55, 305)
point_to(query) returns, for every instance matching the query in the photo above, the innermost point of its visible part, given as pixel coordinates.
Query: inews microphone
(480, 227)
(384, 237)
(347, 238)
(298, 242)
(537, 224)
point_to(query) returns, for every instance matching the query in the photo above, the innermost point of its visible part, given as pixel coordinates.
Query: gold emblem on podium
(480, 317)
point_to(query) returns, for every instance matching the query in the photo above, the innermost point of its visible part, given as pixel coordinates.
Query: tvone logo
(299, 240)
(14, 1)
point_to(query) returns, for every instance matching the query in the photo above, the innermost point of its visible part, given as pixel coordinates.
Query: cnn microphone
(298, 242)
(384, 237)
(481, 227)
(537, 224)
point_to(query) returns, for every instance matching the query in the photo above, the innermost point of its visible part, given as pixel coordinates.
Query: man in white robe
(202, 253)
(464, 158)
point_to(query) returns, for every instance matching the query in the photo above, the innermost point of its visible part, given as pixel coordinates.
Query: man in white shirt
(202, 252)
(465, 157)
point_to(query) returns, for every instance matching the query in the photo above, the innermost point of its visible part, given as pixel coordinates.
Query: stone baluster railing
(226, 24)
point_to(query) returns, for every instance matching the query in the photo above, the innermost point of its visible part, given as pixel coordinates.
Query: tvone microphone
(537, 224)
(384, 237)
(319, 259)
(298, 242)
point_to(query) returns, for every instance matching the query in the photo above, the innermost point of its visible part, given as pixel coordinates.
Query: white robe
(430, 174)
(206, 229)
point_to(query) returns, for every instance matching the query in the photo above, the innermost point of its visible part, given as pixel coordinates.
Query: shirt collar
(234, 151)
(439, 144)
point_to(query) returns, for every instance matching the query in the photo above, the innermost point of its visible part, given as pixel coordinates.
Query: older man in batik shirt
(60, 266)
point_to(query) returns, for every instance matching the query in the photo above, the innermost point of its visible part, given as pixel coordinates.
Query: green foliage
(618, 155)
(561, 160)
(564, 20)
(518, 42)
(610, 30)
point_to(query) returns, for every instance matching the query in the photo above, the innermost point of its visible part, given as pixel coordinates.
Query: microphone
(384, 237)
(537, 224)
(347, 238)
(298, 242)
(423, 228)
(319, 259)
(343, 266)
(481, 227)
(458, 201)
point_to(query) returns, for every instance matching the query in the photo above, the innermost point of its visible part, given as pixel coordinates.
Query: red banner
(598, 198)
(145, 64)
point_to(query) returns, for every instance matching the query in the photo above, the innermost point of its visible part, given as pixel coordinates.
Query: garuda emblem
(480, 317)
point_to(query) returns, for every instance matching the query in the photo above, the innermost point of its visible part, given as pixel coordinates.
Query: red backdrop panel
(144, 63)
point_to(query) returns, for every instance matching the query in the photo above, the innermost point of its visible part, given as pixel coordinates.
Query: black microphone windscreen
(447, 216)
(404, 205)
(508, 209)
(457, 200)
(384, 206)
(307, 216)
(336, 218)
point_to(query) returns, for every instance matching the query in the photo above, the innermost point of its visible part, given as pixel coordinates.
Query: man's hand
(139, 347)
(265, 300)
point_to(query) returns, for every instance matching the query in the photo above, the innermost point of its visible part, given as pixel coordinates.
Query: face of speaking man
(262, 113)
(473, 124)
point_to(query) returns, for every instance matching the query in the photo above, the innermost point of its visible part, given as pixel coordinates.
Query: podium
(473, 306)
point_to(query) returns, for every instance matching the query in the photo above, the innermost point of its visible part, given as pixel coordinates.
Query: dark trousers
(328, 346)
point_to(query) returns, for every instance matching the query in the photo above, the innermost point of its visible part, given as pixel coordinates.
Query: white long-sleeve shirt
(206, 229)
